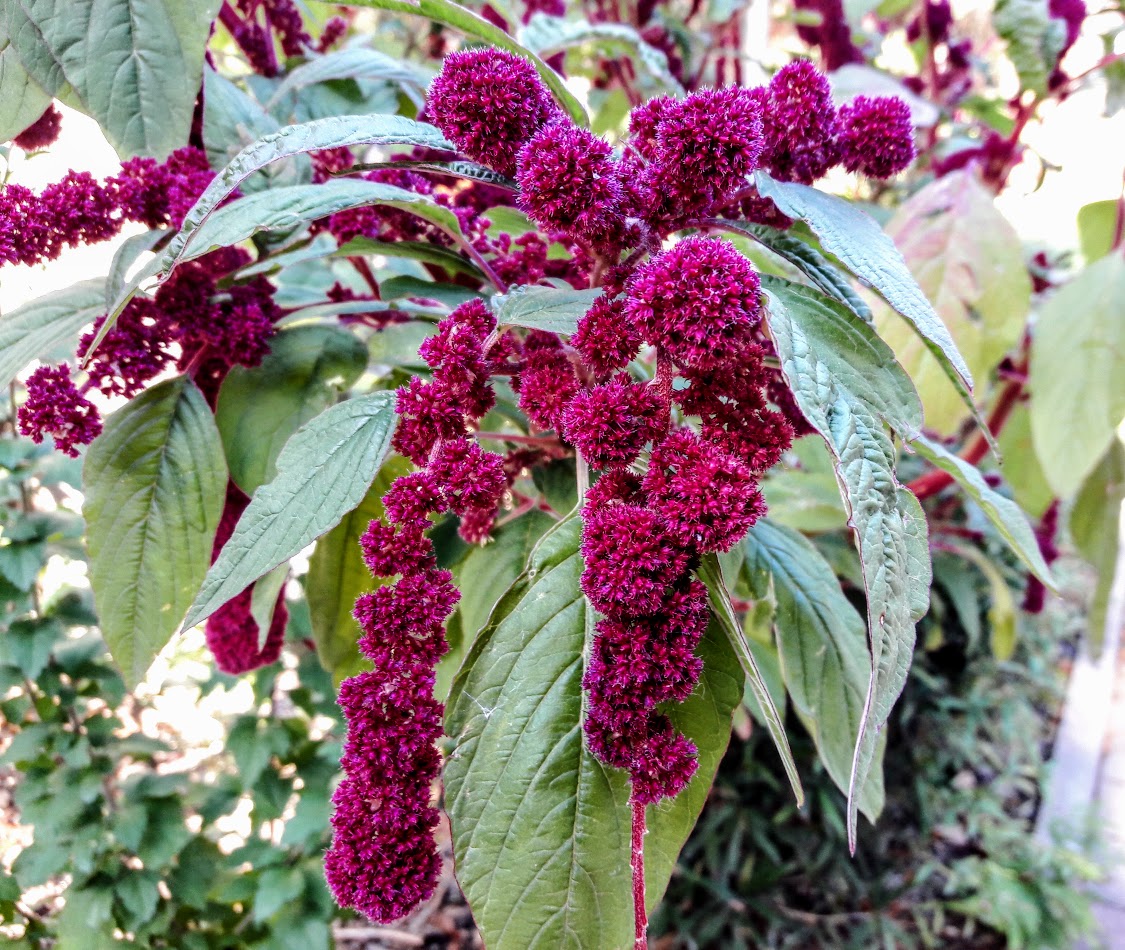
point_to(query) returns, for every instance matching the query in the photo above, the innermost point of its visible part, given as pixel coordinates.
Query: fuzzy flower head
(643, 121)
(56, 408)
(876, 136)
(699, 301)
(610, 424)
(42, 133)
(605, 339)
(489, 103)
(706, 147)
(569, 182)
(630, 560)
(546, 385)
(232, 635)
(800, 123)
(708, 498)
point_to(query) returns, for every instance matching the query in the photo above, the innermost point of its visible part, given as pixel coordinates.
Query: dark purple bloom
(489, 103)
(42, 133)
(56, 408)
(876, 136)
(800, 124)
(610, 424)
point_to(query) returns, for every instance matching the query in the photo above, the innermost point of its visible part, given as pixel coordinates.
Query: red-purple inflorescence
(489, 103)
(43, 132)
(383, 859)
(80, 210)
(876, 136)
(54, 407)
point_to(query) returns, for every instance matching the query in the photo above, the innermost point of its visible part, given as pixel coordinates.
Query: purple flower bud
(876, 136)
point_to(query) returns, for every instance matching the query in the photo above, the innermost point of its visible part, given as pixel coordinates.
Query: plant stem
(637, 863)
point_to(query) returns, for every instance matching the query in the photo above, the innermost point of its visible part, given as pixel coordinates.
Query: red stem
(637, 863)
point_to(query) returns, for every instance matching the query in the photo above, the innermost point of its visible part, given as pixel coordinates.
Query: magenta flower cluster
(232, 631)
(81, 210)
(383, 858)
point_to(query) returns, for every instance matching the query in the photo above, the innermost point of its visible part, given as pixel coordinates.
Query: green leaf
(471, 24)
(356, 62)
(452, 295)
(138, 893)
(543, 308)
(232, 119)
(823, 647)
(35, 329)
(154, 482)
(1095, 526)
(263, 600)
(848, 349)
(1004, 513)
(547, 35)
(134, 65)
(710, 572)
(490, 569)
(260, 408)
(1002, 606)
(861, 245)
(541, 827)
(808, 260)
(968, 260)
(276, 888)
(806, 498)
(296, 205)
(22, 99)
(323, 472)
(886, 531)
(1097, 226)
(126, 255)
(1077, 364)
(1034, 38)
(1021, 468)
(413, 250)
(337, 576)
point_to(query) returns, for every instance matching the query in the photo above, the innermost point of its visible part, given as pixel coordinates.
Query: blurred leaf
(32, 331)
(1021, 468)
(276, 888)
(968, 260)
(355, 62)
(1034, 38)
(337, 576)
(324, 471)
(135, 65)
(1095, 526)
(547, 35)
(1077, 364)
(154, 481)
(260, 408)
(1097, 226)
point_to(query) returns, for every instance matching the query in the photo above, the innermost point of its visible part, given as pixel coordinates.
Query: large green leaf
(260, 408)
(968, 260)
(885, 523)
(154, 483)
(1034, 38)
(822, 644)
(323, 472)
(1004, 513)
(806, 498)
(860, 244)
(1077, 365)
(36, 328)
(1096, 527)
(22, 99)
(547, 35)
(1021, 469)
(337, 576)
(135, 65)
(1097, 227)
(544, 308)
(474, 25)
(540, 827)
